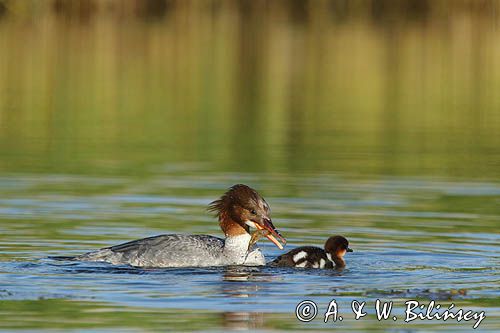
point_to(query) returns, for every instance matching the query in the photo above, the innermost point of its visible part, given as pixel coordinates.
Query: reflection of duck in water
(240, 208)
(315, 257)
(243, 321)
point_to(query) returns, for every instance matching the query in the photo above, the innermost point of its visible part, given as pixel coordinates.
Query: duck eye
(253, 212)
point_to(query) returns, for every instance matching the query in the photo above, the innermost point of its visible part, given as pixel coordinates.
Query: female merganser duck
(240, 208)
(315, 257)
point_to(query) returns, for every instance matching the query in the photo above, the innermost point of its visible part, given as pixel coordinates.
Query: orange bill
(271, 235)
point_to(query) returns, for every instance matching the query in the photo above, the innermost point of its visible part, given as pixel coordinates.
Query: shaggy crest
(240, 195)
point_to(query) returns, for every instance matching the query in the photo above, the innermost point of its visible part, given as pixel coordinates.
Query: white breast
(236, 252)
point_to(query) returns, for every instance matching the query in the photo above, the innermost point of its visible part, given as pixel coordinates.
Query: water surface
(412, 238)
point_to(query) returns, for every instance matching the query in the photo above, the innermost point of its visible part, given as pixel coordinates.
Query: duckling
(315, 257)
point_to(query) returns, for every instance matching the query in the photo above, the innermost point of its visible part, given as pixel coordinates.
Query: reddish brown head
(242, 207)
(337, 246)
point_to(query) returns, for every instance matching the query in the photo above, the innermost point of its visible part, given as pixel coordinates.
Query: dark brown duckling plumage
(314, 257)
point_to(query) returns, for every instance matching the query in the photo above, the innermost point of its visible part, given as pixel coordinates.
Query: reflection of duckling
(315, 257)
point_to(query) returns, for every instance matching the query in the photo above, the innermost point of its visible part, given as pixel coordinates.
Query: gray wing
(161, 251)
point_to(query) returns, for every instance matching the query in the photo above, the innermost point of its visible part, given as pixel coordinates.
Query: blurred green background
(361, 87)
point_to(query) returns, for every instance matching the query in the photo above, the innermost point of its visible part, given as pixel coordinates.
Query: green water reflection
(251, 89)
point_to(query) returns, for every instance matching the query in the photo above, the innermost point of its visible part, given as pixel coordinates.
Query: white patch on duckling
(300, 255)
(329, 256)
(315, 265)
(322, 263)
(302, 264)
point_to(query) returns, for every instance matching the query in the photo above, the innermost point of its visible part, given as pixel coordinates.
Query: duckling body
(305, 257)
(314, 257)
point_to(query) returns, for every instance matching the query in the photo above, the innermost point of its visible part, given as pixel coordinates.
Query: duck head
(242, 208)
(337, 247)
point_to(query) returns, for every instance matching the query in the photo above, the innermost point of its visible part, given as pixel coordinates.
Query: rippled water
(412, 239)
